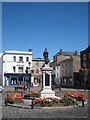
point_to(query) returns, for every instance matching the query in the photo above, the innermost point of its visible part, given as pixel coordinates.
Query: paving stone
(73, 112)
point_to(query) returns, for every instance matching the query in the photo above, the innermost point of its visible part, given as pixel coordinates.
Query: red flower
(13, 96)
(39, 100)
(75, 94)
(35, 100)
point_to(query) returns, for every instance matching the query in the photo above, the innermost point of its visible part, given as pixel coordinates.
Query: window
(37, 63)
(37, 71)
(14, 58)
(57, 67)
(84, 64)
(27, 59)
(84, 57)
(55, 58)
(89, 56)
(66, 72)
(20, 69)
(20, 59)
(26, 68)
(70, 72)
(14, 69)
(66, 65)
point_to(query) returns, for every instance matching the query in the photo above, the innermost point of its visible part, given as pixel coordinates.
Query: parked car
(1, 89)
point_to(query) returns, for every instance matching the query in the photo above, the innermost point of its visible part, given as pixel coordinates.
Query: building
(68, 68)
(62, 55)
(56, 74)
(37, 64)
(85, 65)
(1, 68)
(15, 64)
(57, 58)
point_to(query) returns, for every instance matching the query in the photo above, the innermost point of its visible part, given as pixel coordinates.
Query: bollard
(82, 103)
(6, 100)
(32, 105)
(7, 97)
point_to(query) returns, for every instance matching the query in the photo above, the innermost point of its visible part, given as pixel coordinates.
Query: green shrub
(67, 100)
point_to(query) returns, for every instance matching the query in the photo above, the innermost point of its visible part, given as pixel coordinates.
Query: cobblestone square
(69, 112)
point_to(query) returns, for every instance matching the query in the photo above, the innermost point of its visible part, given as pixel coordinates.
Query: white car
(1, 89)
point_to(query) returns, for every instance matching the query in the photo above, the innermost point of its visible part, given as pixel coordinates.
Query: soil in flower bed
(28, 96)
(54, 105)
(17, 101)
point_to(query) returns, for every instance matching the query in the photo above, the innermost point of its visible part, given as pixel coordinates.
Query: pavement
(70, 112)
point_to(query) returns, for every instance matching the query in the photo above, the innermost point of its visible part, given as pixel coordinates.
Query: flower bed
(46, 101)
(75, 95)
(15, 98)
(32, 94)
(70, 98)
(65, 101)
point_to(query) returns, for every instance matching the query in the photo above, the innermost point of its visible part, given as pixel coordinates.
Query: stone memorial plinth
(46, 82)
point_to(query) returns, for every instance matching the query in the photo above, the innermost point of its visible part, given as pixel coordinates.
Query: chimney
(60, 51)
(30, 50)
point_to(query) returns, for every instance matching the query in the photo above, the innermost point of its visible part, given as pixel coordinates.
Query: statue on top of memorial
(45, 54)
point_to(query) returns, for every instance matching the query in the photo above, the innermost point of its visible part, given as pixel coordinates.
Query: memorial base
(47, 93)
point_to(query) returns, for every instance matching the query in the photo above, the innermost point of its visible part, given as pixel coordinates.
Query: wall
(9, 63)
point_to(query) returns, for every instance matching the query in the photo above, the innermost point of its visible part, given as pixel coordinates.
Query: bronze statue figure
(45, 54)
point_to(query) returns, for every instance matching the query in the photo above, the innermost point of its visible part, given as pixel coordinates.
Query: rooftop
(17, 52)
(66, 53)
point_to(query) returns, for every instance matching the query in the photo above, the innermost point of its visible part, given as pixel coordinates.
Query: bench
(20, 87)
(55, 87)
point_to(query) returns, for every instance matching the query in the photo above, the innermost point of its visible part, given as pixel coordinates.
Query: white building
(15, 64)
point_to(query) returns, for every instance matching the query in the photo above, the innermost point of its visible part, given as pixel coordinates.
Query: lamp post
(29, 73)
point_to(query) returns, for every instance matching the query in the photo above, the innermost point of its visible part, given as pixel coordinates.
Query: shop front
(17, 79)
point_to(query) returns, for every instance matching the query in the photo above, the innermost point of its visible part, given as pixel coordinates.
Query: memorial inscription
(47, 80)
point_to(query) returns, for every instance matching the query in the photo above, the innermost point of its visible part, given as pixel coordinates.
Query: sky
(38, 26)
